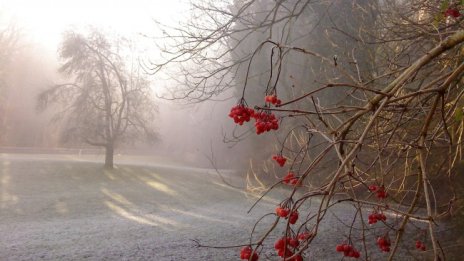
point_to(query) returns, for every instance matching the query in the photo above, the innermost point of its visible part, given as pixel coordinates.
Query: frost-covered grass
(55, 208)
(70, 208)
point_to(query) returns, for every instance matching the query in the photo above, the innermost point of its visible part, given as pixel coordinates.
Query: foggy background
(185, 131)
(193, 131)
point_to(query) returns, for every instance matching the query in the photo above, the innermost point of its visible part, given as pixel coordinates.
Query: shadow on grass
(166, 198)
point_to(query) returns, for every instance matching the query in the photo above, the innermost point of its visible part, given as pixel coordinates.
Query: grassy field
(69, 208)
(58, 208)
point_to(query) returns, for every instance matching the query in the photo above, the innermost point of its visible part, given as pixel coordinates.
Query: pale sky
(45, 20)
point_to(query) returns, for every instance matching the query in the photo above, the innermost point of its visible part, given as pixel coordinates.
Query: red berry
(294, 181)
(346, 247)
(382, 217)
(240, 113)
(293, 217)
(304, 236)
(374, 217)
(245, 253)
(352, 253)
(373, 188)
(384, 244)
(420, 245)
(348, 250)
(453, 12)
(279, 244)
(381, 193)
(273, 99)
(288, 178)
(255, 257)
(285, 252)
(293, 243)
(280, 160)
(282, 212)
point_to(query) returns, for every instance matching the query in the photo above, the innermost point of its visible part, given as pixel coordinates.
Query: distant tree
(109, 101)
(9, 44)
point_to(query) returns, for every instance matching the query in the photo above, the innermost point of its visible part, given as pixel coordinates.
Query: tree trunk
(109, 152)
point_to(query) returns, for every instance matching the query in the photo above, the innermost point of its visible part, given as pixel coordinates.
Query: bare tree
(107, 102)
(9, 46)
(370, 111)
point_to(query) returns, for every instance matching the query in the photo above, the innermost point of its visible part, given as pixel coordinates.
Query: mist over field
(231, 130)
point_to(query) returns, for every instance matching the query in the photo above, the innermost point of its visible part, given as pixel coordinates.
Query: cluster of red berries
(240, 113)
(272, 99)
(348, 250)
(245, 253)
(283, 250)
(290, 179)
(384, 244)
(279, 159)
(284, 213)
(420, 245)
(379, 190)
(265, 121)
(375, 216)
(452, 12)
